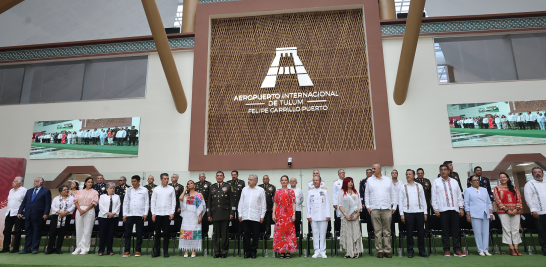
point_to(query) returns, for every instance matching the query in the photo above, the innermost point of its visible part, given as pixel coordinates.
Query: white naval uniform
(336, 188)
(310, 184)
(318, 209)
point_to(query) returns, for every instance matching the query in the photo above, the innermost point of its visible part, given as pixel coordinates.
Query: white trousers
(319, 236)
(69, 139)
(510, 229)
(84, 227)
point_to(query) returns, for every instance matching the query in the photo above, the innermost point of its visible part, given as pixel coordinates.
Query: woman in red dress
(284, 215)
(490, 119)
(509, 205)
(64, 137)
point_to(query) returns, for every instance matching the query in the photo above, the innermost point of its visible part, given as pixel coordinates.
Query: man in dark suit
(220, 211)
(35, 208)
(484, 182)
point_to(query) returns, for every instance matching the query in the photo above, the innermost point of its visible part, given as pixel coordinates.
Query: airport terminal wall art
(86, 138)
(497, 123)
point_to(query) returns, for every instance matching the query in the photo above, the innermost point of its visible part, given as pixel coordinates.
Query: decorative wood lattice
(331, 46)
(530, 105)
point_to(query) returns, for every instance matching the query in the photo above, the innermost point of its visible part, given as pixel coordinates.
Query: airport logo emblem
(297, 68)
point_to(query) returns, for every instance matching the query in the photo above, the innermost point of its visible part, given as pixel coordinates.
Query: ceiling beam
(165, 54)
(5, 5)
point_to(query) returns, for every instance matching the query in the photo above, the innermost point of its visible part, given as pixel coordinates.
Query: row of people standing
(446, 200)
(512, 121)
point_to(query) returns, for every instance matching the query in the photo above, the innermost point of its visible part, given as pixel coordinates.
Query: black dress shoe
(216, 256)
(253, 255)
(410, 254)
(247, 256)
(224, 256)
(424, 255)
(34, 251)
(23, 252)
(4, 251)
(155, 255)
(14, 251)
(166, 254)
(58, 252)
(48, 252)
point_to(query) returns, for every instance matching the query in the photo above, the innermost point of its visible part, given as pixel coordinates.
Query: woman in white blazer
(109, 206)
(479, 212)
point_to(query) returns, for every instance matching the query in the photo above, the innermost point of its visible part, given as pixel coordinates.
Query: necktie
(110, 209)
(34, 194)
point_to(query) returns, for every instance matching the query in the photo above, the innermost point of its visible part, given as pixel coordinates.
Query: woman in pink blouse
(85, 201)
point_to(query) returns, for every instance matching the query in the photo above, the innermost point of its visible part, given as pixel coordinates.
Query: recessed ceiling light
(525, 164)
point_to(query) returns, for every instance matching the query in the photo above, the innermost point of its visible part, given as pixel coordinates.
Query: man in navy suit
(35, 208)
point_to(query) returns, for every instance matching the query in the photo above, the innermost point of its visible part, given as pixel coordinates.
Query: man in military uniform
(427, 187)
(100, 187)
(336, 189)
(484, 182)
(132, 136)
(269, 196)
(120, 191)
(364, 212)
(318, 214)
(203, 187)
(178, 189)
(316, 173)
(220, 210)
(237, 186)
(452, 174)
(150, 186)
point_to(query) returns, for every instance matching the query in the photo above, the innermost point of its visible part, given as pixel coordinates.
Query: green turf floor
(521, 133)
(146, 260)
(130, 150)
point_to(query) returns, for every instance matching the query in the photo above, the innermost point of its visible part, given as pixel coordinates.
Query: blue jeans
(481, 233)
(102, 141)
(541, 123)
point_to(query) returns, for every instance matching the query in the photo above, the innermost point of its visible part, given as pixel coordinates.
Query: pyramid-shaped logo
(297, 68)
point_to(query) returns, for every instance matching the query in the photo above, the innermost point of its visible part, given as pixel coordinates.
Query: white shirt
(310, 185)
(136, 202)
(104, 205)
(121, 134)
(86, 134)
(511, 117)
(417, 201)
(299, 198)
(56, 204)
(15, 198)
(103, 134)
(252, 205)
(541, 118)
(96, 133)
(454, 196)
(336, 188)
(531, 117)
(318, 204)
(535, 196)
(524, 117)
(497, 120)
(60, 136)
(163, 200)
(397, 188)
(80, 134)
(485, 120)
(380, 194)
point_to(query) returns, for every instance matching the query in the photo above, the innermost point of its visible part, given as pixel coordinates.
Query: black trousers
(106, 233)
(521, 125)
(369, 226)
(251, 231)
(297, 223)
(120, 141)
(450, 225)
(33, 233)
(266, 226)
(395, 219)
(56, 234)
(132, 140)
(130, 222)
(8, 226)
(205, 227)
(415, 221)
(541, 226)
(337, 224)
(86, 140)
(236, 226)
(161, 224)
(221, 237)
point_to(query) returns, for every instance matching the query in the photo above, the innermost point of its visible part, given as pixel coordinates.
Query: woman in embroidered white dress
(192, 207)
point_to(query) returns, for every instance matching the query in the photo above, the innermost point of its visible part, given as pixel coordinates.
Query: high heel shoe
(517, 251)
(513, 252)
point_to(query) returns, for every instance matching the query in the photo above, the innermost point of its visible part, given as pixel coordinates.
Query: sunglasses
(121, 180)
